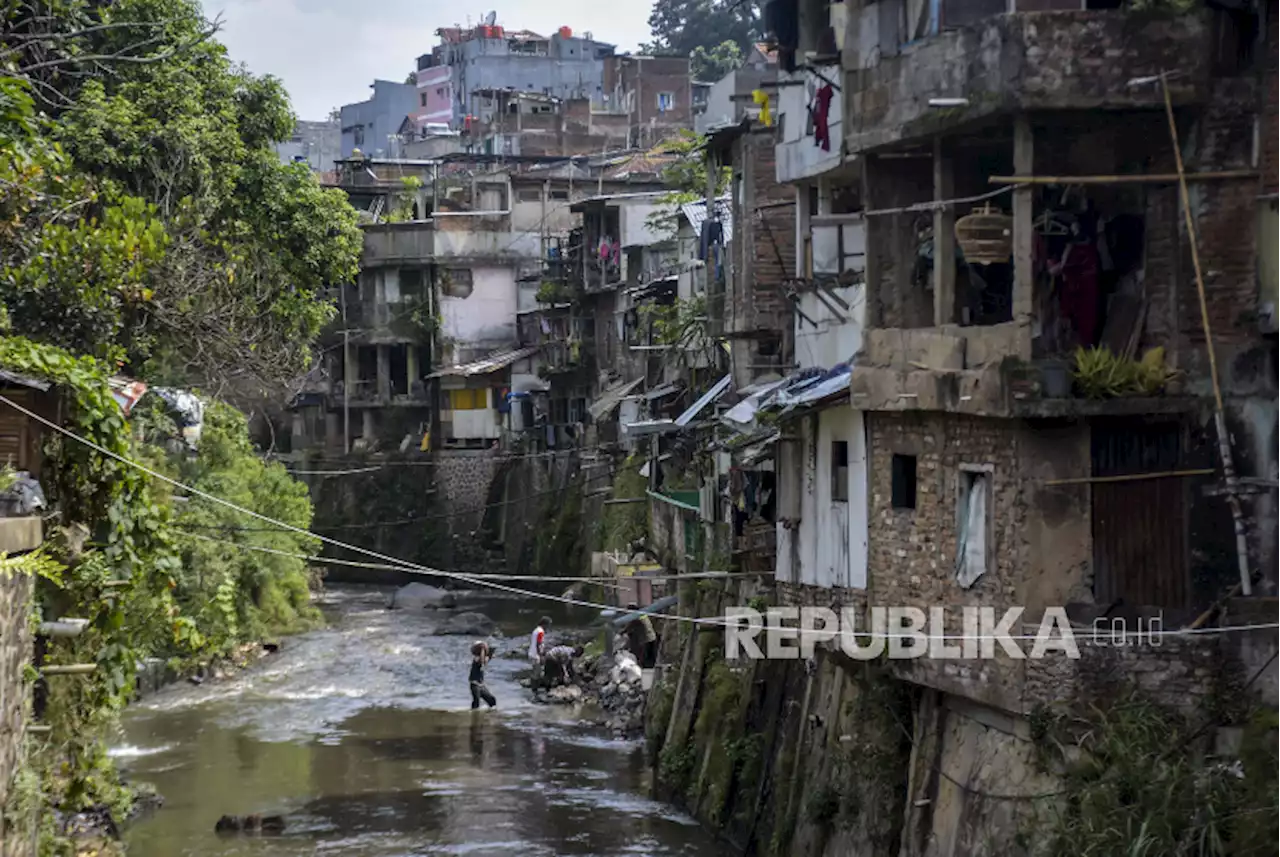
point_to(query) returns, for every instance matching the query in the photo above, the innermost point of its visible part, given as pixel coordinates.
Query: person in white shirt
(538, 642)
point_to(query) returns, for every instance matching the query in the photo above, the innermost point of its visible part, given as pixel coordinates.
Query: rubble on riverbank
(614, 685)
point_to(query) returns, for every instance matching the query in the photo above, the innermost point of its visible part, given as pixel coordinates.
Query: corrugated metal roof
(611, 398)
(24, 381)
(696, 213)
(492, 363)
(707, 398)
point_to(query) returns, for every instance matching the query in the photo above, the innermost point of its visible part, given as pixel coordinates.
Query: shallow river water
(362, 737)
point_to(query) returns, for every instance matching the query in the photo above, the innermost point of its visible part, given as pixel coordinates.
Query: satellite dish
(490, 18)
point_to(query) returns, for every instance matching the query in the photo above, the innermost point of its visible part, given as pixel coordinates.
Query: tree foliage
(152, 205)
(711, 65)
(683, 26)
(147, 225)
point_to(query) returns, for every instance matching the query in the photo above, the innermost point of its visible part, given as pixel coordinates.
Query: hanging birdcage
(985, 236)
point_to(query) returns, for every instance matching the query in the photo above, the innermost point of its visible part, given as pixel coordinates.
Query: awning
(743, 414)
(648, 427)
(24, 381)
(611, 398)
(707, 398)
(810, 390)
(660, 392)
(492, 363)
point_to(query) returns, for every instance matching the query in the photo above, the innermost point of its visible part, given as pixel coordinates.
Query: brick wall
(769, 215)
(15, 653)
(762, 258)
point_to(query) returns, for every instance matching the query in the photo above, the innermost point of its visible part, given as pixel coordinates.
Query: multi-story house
(373, 126)
(1027, 316)
(489, 57)
(654, 93)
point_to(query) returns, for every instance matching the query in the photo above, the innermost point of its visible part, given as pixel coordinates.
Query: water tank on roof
(566, 33)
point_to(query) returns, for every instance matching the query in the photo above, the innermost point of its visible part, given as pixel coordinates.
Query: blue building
(369, 125)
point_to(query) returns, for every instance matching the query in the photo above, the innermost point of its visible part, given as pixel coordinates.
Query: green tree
(712, 65)
(683, 26)
(155, 120)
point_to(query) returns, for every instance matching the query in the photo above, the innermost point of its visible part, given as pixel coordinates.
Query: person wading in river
(480, 655)
(538, 643)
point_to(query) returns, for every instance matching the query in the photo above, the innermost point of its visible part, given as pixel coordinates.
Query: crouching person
(559, 664)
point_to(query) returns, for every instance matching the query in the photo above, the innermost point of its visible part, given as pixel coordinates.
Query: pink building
(435, 92)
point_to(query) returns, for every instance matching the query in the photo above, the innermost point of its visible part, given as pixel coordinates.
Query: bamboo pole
(1131, 477)
(1152, 178)
(69, 669)
(1224, 441)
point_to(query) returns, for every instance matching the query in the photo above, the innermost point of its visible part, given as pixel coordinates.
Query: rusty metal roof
(492, 363)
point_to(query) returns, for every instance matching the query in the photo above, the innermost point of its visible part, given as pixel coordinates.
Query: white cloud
(327, 52)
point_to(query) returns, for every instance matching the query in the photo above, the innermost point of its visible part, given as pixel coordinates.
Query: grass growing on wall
(625, 523)
(1136, 782)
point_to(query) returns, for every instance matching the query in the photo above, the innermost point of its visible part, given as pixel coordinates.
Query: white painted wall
(487, 317)
(835, 338)
(633, 217)
(798, 157)
(829, 546)
(471, 424)
(833, 341)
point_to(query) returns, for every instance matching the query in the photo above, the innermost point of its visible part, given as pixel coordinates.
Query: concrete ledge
(19, 535)
(993, 391)
(1063, 60)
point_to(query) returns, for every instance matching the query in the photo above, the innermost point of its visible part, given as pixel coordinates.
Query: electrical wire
(440, 516)
(377, 566)
(415, 568)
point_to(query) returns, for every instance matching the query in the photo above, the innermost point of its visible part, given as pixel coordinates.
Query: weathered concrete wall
(15, 654)
(1042, 61)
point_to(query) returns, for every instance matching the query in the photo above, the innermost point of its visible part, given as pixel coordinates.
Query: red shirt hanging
(821, 106)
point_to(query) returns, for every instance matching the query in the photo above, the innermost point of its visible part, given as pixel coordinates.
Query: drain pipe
(1220, 419)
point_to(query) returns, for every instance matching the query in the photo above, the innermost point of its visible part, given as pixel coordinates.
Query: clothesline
(934, 205)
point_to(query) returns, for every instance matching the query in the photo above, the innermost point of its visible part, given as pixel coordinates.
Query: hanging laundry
(821, 109)
(761, 98)
(1079, 302)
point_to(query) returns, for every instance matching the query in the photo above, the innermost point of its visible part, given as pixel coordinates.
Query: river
(361, 735)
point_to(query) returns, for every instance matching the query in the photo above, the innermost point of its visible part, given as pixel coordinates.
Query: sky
(328, 52)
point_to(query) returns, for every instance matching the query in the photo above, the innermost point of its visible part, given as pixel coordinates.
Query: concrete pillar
(1023, 237)
(368, 428)
(411, 363)
(384, 372)
(944, 238)
(875, 234)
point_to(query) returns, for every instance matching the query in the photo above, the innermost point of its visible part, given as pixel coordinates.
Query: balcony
(982, 371)
(1073, 60)
(396, 243)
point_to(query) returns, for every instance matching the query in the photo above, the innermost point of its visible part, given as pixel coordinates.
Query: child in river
(480, 655)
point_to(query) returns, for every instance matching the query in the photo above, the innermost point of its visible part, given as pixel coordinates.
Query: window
(904, 481)
(973, 513)
(562, 195)
(468, 400)
(840, 470)
(422, 99)
(666, 101)
(357, 134)
(528, 194)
